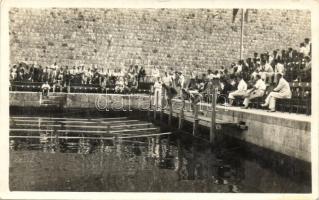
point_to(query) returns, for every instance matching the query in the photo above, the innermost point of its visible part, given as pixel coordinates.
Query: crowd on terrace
(248, 78)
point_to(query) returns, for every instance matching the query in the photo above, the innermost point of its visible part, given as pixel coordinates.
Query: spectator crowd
(247, 78)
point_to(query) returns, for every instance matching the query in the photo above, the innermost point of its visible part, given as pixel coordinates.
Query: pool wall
(279, 132)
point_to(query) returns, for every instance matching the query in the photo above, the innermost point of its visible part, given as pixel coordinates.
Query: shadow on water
(83, 154)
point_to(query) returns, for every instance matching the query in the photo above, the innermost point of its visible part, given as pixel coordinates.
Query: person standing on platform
(282, 91)
(241, 90)
(158, 92)
(257, 91)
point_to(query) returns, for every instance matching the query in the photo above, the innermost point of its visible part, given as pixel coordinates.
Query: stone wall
(180, 38)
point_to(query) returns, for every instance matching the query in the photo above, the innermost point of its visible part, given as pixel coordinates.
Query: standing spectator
(282, 91)
(45, 74)
(158, 92)
(66, 76)
(241, 90)
(257, 91)
(181, 80)
(167, 80)
(303, 50)
(308, 46)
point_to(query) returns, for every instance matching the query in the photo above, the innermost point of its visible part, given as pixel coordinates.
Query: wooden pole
(212, 134)
(242, 34)
(162, 104)
(150, 107)
(156, 104)
(195, 124)
(181, 115)
(170, 113)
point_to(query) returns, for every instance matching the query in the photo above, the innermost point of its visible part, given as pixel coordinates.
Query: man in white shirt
(279, 69)
(303, 49)
(45, 89)
(155, 73)
(181, 80)
(241, 90)
(257, 91)
(282, 91)
(266, 71)
(308, 46)
(158, 92)
(167, 79)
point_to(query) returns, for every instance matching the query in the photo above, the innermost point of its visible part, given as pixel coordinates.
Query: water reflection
(189, 163)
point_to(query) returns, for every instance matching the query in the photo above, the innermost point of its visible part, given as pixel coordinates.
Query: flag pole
(242, 34)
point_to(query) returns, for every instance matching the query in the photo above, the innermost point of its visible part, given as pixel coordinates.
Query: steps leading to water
(52, 100)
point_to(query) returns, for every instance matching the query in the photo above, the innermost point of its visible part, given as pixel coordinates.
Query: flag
(235, 12)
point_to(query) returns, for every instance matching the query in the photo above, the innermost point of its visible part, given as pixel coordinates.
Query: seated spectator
(266, 71)
(119, 85)
(133, 85)
(233, 68)
(225, 88)
(256, 57)
(13, 73)
(58, 82)
(141, 74)
(305, 74)
(253, 75)
(45, 89)
(282, 91)
(279, 69)
(307, 67)
(241, 90)
(239, 67)
(257, 91)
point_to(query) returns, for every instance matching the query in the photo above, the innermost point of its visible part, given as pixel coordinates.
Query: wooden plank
(83, 126)
(66, 118)
(81, 131)
(65, 122)
(96, 138)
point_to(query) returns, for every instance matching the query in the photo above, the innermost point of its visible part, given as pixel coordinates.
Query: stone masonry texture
(185, 39)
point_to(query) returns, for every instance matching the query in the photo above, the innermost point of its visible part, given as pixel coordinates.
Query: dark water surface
(120, 154)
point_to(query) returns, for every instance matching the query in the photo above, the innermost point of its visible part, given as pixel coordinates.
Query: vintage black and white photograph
(163, 99)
